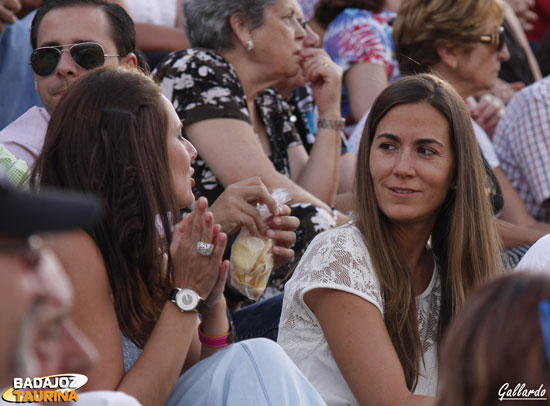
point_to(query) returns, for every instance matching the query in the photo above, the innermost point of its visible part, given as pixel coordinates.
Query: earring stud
(250, 45)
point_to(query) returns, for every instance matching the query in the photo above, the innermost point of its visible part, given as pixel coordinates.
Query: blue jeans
(253, 372)
(259, 320)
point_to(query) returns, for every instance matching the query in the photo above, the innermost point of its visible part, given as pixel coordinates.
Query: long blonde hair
(464, 238)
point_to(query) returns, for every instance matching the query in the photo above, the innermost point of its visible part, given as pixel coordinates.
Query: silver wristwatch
(189, 301)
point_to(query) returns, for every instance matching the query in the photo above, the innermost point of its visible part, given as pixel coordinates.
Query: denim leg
(259, 320)
(253, 372)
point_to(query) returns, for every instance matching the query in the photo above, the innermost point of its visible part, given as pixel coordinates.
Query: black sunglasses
(498, 38)
(87, 55)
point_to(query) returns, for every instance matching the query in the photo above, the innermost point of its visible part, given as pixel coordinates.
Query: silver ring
(205, 248)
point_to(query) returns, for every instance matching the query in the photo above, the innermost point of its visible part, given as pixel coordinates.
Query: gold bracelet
(331, 123)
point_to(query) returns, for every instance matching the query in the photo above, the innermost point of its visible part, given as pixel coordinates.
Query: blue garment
(252, 372)
(16, 76)
(259, 319)
(358, 36)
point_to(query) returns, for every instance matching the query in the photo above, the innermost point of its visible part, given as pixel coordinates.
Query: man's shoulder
(538, 91)
(24, 138)
(35, 117)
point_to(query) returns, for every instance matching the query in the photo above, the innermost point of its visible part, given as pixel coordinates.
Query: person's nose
(67, 66)
(504, 54)
(312, 39)
(404, 165)
(191, 150)
(300, 32)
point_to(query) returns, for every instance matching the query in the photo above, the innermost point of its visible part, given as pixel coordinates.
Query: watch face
(187, 300)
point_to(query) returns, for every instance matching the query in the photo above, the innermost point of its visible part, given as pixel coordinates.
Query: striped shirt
(522, 143)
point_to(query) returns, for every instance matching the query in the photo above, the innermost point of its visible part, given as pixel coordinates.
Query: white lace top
(339, 259)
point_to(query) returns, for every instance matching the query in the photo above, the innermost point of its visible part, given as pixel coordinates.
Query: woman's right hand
(236, 207)
(191, 269)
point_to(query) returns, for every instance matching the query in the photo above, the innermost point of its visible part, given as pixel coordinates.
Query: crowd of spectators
(143, 148)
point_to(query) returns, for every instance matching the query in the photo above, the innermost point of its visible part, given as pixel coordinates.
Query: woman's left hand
(326, 80)
(282, 230)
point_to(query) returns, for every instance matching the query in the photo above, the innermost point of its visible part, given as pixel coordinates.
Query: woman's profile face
(181, 154)
(478, 68)
(278, 41)
(412, 163)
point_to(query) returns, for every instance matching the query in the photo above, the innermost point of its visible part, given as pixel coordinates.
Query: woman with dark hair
(358, 38)
(142, 276)
(498, 342)
(464, 43)
(240, 48)
(369, 301)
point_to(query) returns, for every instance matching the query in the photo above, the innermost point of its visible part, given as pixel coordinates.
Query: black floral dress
(202, 85)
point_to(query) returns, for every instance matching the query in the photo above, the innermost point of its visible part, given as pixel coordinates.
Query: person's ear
(130, 60)
(448, 55)
(241, 30)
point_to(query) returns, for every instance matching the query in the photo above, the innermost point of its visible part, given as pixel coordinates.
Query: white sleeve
(486, 146)
(338, 259)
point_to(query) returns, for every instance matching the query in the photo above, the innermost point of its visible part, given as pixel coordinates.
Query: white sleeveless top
(339, 259)
(159, 12)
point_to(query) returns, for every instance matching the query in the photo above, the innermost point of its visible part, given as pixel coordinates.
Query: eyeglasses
(30, 250)
(87, 55)
(498, 38)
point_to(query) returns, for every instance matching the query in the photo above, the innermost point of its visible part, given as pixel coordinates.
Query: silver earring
(250, 45)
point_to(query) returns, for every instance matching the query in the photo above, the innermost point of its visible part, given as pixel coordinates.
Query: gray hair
(207, 21)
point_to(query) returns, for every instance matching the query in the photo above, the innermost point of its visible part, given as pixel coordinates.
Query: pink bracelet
(217, 341)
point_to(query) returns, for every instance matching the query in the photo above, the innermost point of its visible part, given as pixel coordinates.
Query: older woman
(245, 47)
(463, 42)
(369, 301)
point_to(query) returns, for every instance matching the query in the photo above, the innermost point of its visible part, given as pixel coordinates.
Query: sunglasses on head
(497, 38)
(87, 55)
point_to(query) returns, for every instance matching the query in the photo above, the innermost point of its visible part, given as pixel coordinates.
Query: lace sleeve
(339, 259)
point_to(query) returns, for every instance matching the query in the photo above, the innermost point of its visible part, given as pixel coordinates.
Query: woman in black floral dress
(246, 47)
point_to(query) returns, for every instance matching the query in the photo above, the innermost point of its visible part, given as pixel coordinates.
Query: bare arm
(516, 25)
(368, 362)
(153, 376)
(344, 199)
(238, 155)
(319, 172)
(152, 37)
(517, 227)
(364, 81)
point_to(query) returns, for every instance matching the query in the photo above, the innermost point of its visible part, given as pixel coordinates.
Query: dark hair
(107, 136)
(327, 10)
(464, 238)
(496, 339)
(122, 26)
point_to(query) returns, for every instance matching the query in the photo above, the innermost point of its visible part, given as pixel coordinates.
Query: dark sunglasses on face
(87, 55)
(497, 38)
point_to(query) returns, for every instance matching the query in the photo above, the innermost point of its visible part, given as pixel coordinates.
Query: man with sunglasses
(69, 38)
